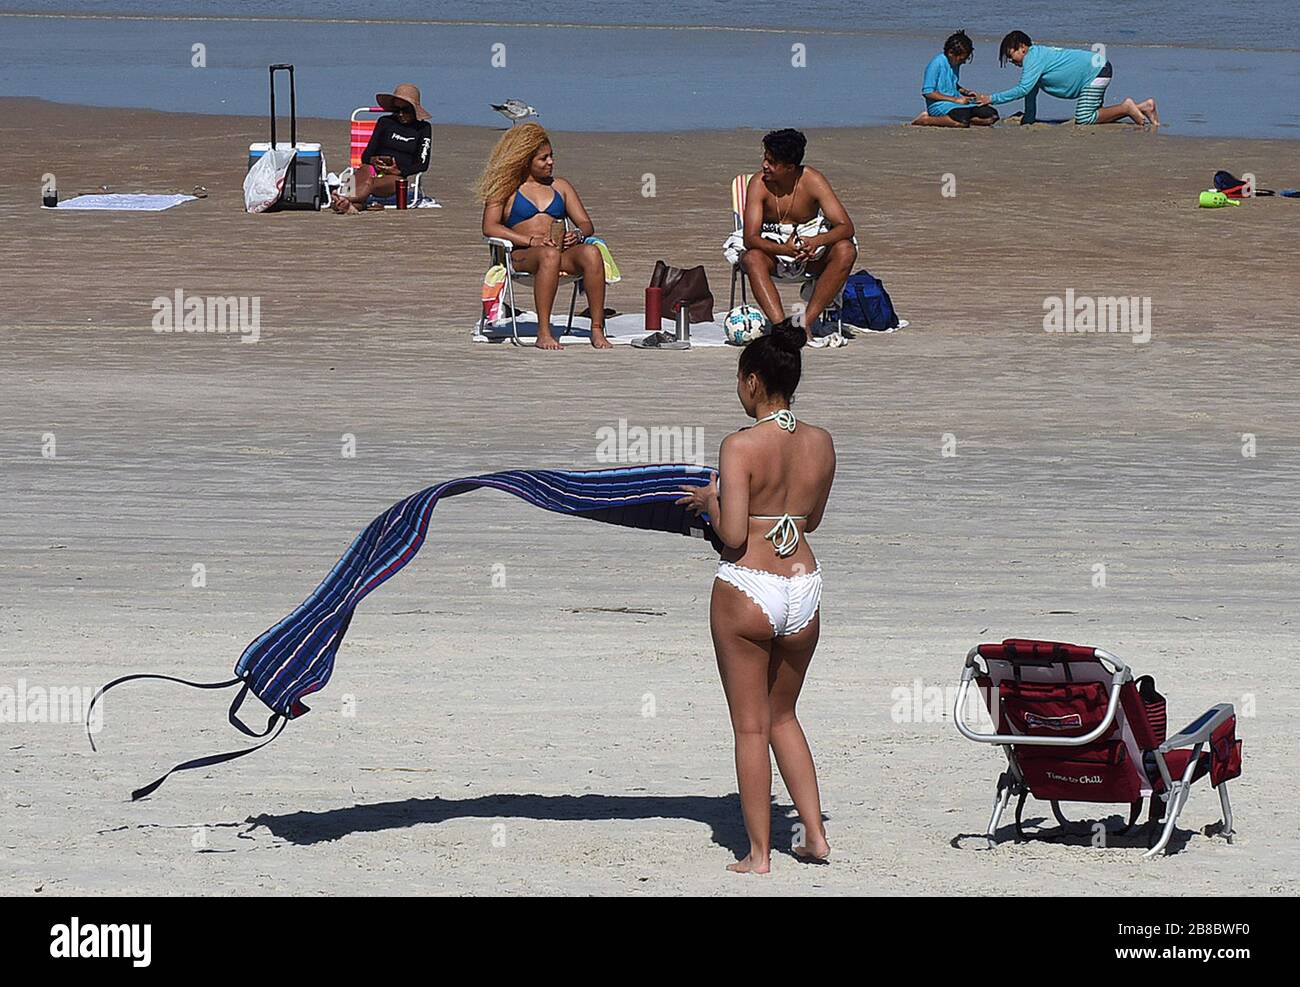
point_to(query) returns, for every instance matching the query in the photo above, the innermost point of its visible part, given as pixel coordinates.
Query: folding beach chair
(501, 251)
(362, 130)
(739, 188)
(1097, 735)
(359, 137)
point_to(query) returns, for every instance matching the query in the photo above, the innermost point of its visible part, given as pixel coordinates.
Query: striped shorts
(1085, 110)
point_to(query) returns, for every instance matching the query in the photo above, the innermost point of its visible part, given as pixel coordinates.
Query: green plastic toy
(1216, 200)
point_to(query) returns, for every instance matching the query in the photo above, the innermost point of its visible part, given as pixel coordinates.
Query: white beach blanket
(621, 330)
(125, 201)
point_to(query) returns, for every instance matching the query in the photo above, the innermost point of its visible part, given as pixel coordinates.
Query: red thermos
(401, 193)
(654, 309)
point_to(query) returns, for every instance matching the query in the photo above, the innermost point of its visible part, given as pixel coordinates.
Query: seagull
(514, 110)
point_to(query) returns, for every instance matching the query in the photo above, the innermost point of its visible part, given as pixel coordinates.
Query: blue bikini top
(521, 208)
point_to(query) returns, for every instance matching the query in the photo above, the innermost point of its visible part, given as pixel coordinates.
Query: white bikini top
(784, 535)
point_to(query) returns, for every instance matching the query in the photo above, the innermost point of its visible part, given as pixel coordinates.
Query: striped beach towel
(295, 657)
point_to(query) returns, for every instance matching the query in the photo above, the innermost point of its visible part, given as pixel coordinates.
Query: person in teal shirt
(1066, 73)
(947, 104)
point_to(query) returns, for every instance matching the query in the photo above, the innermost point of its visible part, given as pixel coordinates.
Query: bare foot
(1149, 108)
(751, 866)
(598, 339)
(342, 205)
(545, 341)
(814, 852)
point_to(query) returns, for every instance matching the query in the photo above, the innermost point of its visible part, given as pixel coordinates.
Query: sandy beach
(565, 733)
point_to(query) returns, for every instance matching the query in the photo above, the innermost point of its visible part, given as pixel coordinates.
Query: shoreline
(258, 125)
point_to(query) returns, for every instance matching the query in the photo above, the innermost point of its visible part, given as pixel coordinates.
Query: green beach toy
(1216, 200)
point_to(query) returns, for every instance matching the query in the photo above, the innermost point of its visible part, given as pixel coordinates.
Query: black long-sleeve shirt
(410, 146)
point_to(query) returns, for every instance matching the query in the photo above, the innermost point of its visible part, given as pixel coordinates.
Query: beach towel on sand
(295, 657)
(126, 201)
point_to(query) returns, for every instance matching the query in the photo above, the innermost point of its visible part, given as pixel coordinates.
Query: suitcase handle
(293, 104)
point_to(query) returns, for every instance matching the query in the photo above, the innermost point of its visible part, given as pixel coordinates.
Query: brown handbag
(689, 286)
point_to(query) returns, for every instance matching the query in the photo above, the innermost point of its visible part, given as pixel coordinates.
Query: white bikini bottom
(790, 602)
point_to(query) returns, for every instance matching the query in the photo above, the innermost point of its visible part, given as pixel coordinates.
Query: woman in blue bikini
(521, 199)
(774, 479)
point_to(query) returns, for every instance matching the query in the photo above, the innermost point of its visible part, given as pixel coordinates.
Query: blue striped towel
(295, 657)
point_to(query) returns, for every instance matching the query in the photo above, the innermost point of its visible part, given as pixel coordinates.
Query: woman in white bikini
(774, 478)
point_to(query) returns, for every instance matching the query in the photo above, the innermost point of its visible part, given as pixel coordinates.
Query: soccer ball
(744, 324)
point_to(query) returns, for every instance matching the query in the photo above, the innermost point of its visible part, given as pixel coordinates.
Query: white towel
(786, 266)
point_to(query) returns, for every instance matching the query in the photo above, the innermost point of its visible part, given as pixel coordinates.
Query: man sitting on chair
(794, 226)
(399, 147)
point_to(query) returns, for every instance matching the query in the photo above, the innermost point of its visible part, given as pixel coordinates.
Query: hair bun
(789, 336)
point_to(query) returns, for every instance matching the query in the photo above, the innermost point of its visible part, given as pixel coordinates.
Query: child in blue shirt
(947, 104)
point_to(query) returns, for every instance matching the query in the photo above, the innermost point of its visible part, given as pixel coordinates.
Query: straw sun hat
(405, 93)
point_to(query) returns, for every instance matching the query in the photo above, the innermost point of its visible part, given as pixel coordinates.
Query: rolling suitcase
(304, 185)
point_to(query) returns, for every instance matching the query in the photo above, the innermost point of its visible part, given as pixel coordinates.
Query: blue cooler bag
(867, 304)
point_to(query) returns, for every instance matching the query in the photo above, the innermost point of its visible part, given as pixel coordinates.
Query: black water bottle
(50, 196)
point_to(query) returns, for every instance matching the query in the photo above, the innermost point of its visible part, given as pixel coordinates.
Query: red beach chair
(1076, 727)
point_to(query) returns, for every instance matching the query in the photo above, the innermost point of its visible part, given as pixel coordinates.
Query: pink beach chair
(362, 131)
(1076, 727)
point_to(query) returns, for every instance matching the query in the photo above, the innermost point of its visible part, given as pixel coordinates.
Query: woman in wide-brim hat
(399, 147)
(403, 97)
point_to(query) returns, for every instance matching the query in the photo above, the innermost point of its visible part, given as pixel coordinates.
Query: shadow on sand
(1079, 833)
(721, 813)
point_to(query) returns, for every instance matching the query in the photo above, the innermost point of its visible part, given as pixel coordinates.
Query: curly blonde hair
(507, 167)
